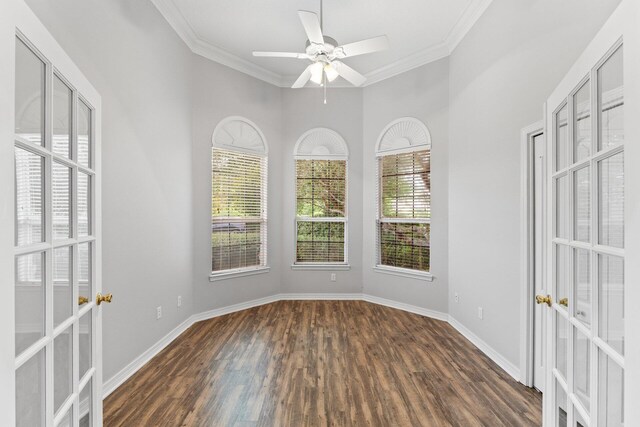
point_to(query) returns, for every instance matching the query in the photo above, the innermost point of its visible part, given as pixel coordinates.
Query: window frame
(259, 149)
(402, 136)
(334, 148)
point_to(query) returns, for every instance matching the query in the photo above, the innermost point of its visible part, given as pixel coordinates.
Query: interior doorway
(533, 260)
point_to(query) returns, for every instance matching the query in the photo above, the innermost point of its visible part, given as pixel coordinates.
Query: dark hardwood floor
(322, 363)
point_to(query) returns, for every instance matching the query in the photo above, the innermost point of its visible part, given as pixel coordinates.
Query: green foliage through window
(238, 210)
(321, 206)
(405, 194)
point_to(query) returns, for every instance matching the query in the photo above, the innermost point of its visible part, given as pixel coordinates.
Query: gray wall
(303, 109)
(219, 92)
(422, 93)
(161, 104)
(142, 71)
(500, 76)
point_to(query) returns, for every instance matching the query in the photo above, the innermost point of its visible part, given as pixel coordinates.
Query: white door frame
(526, 250)
(17, 17)
(621, 24)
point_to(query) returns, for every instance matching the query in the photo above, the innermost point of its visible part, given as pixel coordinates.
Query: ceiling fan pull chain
(324, 77)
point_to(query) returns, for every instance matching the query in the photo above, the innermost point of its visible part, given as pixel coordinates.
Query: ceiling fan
(325, 54)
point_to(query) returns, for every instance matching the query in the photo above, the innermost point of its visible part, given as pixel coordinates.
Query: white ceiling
(227, 31)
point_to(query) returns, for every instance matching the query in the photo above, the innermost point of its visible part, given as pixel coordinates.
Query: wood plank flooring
(322, 363)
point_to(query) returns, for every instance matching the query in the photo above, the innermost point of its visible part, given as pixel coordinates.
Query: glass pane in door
(611, 301)
(581, 380)
(562, 139)
(562, 334)
(62, 285)
(29, 197)
(61, 118)
(611, 201)
(30, 392)
(561, 406)
(85, 405)
(582, 286)
(61, 189)
(62, 368)
(84, 134)
(582, 123)
(562, 273)
(582, 205)
(85, 343)
(611, 102)
(610, 393)
(30, 84)
(29, 300)
(84, 270)
(562, 207)
(84, 204)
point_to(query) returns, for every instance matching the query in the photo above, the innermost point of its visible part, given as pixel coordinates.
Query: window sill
(404, 272)
(324, 267)
(230, 274)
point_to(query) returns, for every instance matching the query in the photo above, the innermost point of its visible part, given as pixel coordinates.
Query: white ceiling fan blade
(374, 44)
(303, 79)
(311, 26)
(281, 55)
(348, 73)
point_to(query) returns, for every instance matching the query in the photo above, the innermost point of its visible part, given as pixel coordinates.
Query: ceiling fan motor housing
(313, 49)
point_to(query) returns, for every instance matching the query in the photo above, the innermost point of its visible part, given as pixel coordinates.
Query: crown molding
(174, 17)
(408, 63)
(467, 20)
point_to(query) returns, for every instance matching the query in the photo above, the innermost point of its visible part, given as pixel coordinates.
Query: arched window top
(321, 143)
(403, 135)
(240, 134)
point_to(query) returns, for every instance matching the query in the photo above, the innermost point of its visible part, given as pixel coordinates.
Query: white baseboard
(233, 308)
(322, 297)
(507, 366)
(406, 307)
(114, 382)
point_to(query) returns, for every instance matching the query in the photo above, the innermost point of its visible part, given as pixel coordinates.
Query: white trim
(440, 50)
(114, 382)
(500, 360)
(438, 315)
(221, 125)
(218, 276)
(467, 20)
(322, 267)
(404, 272)
(319, 297)
(331, 136)
(413, 121)
(136, 364)
(527, 287)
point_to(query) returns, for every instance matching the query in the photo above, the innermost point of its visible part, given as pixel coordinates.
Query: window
(404, 199)
(238, 198)
(321, 199)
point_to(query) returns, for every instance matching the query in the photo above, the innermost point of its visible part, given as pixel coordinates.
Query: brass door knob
(564, 301)
(103, 298)
(82, 300)
(540, 299)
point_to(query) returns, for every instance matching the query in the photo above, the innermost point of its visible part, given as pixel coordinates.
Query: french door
(586, 179)
(56, 256)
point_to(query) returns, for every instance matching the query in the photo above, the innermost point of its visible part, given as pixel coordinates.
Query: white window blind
(321, 191)
(238, 210)
(404, 217)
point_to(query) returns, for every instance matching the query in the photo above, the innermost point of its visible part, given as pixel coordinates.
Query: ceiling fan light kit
(325, 54)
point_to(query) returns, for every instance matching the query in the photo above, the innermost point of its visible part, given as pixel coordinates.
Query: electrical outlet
(179, 300)
(480, 314)
(333, 277)
(159, 312)
(456, 298)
